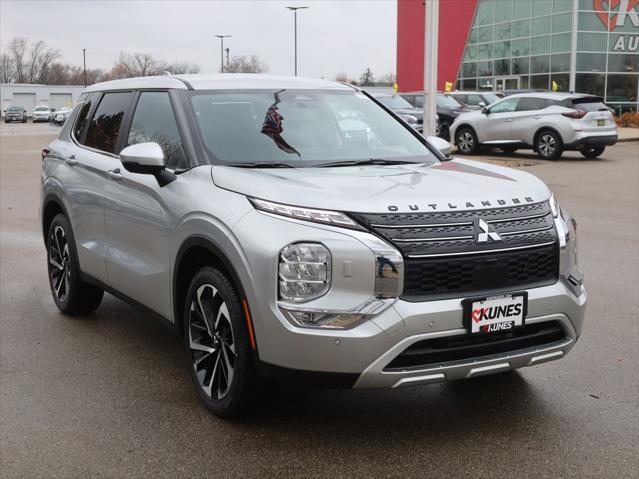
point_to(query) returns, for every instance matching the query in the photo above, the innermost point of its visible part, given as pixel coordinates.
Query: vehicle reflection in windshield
(272, 126)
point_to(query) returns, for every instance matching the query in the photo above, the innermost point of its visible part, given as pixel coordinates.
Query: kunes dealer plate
(495, 313)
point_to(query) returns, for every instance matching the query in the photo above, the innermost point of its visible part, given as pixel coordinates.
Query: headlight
(304, 272)
(554, 206)
(334, 218)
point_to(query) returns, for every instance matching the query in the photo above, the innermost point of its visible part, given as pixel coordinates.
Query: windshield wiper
(370, 161)
(261, 164)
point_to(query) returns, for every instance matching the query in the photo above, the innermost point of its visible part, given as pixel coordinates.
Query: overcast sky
(333, 36)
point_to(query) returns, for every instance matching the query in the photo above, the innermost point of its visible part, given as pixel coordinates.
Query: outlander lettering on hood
(466, 204)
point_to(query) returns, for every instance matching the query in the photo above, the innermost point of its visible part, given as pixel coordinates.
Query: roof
(550, 95)
(223, 81)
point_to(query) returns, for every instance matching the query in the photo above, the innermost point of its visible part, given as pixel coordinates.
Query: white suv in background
(41, 113)
(549, 123)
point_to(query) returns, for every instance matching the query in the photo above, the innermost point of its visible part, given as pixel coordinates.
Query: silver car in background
(548, 123)
(294, 231)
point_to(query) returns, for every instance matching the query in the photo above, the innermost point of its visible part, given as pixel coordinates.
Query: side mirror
(147, 159)
(440, 144)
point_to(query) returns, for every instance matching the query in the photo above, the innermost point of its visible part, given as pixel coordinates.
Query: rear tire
(70, 294)
(466, 141)
(593, 151)
(548, 145)
(217, 344)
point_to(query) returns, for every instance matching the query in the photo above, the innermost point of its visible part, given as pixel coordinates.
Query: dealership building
(586, 46)
(29, 96)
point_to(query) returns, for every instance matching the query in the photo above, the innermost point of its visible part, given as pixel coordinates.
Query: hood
(409, 111)
(446, 186)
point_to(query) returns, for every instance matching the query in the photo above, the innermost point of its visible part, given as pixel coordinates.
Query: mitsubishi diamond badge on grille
(485, 231)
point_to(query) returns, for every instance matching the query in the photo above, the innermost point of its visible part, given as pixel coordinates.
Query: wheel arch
(460, 127)
(51, 206)
(194, 253)
(541, 129)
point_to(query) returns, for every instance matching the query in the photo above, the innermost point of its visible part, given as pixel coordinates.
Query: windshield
(445, 101)
(393, 102)
(301, 127)
(15, 108)
(40, 108)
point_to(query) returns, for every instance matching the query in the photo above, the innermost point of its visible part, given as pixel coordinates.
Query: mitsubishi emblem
(486, 231)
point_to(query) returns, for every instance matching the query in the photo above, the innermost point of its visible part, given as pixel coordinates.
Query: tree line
(25, 61)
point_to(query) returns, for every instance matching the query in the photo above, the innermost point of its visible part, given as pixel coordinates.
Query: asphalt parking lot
(108, 395)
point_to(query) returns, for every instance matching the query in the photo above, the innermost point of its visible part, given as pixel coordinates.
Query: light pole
(84, 61)
(228, 54)
(431, 36)
(295, 9)
(222, 37)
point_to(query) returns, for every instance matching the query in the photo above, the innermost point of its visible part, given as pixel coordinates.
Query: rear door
(598, 117)
(95, 134)
(496, 124)
(530, 114)
(140, 215)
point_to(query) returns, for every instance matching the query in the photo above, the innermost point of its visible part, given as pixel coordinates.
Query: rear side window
(589, 104)
(154, 120)
(531, 104)
(82, 121)
(107, 119)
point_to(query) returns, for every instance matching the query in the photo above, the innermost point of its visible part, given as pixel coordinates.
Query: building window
(522, 9)
(519, 48)
(521, 29)
(469, 70)
(621, 88)
(540, 45)
(486, 34)
(486, 12)
(587, 62)
(502, 67)
(470, 84)
(504, 11)
(541, 26)
(502, 31)
(562, 80)
(502, 50)
(591, 83)
(591, 42)
(521, 65)
(590, 21)
(562, 6)
(484, 69)
(539, 82)
(471, 53)
(560, 63)
(542, 7)
(485, 52)
(561, 43)
(562, 22)
(540, 64)
(472, 38)
(623, 63)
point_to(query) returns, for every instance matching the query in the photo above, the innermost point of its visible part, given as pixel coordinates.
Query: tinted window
(301, 127)
(154, 121)
(505, 106)
(530, 104)
(81, 122)
(106, 121)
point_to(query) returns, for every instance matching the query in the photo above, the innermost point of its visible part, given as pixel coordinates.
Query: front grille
(443, 258)
(476, 346)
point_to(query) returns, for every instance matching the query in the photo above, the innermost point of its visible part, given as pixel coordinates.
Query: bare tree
(367, 78)
(244, 64)
(341, 77)
(17, 50)
(7, 69)
(30, 63)
(178, 68)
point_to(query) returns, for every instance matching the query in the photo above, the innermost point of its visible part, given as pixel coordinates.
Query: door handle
(115, 175)
(507, 120)
(70, 160)
(537, 117)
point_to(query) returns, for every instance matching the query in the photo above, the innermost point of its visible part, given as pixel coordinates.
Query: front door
(497, 127)
(140, 215)
(506, 83)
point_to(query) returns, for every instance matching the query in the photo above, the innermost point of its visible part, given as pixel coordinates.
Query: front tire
(548, 145)
(217, 344)
(592, 151)
(70, 294)
(466, 141)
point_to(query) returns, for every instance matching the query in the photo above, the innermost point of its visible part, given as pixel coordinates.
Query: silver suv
(297, 231)
(549, 123)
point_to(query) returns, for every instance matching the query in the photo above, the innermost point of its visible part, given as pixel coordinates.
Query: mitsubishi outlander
(298, 231)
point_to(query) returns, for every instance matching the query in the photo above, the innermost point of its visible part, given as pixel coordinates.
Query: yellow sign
(555, 87)
(395, 87)
(449, 86)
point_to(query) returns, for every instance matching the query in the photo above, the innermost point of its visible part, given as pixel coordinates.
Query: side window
(106, 121)
(531, 104)
(82, 120)
(154, 120)
(505, 106)
(475, 100)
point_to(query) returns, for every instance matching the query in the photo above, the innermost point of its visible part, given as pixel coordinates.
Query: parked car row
(18, 113)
